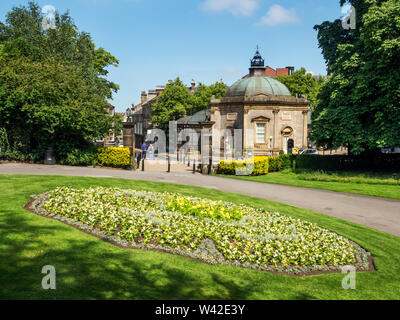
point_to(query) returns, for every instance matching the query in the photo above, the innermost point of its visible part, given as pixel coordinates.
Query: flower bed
(212, 231)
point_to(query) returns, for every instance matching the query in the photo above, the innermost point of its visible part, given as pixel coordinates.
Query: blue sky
(158, 40)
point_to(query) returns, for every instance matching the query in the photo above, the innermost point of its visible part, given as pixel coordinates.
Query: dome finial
(257, 60)
(257, 64)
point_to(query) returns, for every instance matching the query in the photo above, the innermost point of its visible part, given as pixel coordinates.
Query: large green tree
(176, 101)
(172, 104)
(53, 85)
(303, 83)
(64, 44)
(359, 107)
(204, 93)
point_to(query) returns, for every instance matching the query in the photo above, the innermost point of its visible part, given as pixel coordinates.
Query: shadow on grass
(91, 269)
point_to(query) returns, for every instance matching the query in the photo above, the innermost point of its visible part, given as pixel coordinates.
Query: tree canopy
(176, 101)
(53, 85)
(303, 83)
(359, 107)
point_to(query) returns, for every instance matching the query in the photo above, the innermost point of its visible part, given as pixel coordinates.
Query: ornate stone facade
(277, 119)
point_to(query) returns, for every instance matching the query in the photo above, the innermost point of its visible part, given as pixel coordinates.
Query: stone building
(278, 119)
(140, 114)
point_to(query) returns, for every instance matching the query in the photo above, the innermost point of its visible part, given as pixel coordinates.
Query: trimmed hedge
(275, 164)
(113, 157)
(244, 167)
(103, 156)
(262, 165)
(381, 162)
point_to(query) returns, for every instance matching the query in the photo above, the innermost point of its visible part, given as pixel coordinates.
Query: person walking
(151, 151)
(144, 149)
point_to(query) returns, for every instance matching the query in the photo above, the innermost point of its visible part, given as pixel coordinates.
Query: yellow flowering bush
(113, 157)
(255, 166)
(262, 165)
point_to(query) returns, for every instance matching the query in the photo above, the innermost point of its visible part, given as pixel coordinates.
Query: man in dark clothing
(144, 149)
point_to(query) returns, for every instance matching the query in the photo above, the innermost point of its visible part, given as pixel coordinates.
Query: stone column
(206, 144)
(276, 133)
(128, 135)
(245, 121)
(305, 129)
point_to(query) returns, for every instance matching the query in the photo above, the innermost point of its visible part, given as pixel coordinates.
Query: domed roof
(254, 86)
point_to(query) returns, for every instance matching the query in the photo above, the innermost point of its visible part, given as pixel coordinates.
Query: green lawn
(370, 184)
(88, 268)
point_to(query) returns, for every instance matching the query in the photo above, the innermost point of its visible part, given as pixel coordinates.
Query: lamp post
(129, 115)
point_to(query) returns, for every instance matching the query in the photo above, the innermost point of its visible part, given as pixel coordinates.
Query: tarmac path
(378, 213)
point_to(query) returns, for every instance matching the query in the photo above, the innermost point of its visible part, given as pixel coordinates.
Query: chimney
(152, 94)
(159, 89)
(143, 97)
(290, 70)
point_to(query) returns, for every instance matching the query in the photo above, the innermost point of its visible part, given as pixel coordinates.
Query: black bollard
(169, 165)
(194, 166)
(143, 164)
(209, 166)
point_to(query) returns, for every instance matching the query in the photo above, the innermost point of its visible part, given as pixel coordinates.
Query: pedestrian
(144, 149)
(151, 151)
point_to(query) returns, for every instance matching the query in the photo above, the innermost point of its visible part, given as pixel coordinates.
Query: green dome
(254, 86)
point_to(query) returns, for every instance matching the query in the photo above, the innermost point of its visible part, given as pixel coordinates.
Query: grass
(365, 183)
(88, 268)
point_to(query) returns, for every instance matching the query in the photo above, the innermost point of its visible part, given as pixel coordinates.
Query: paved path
(379, 213)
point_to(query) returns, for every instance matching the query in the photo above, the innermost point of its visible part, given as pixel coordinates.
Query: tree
(176, 101)
(302, 83)
(63, 44)
(53, 88)
(203, 94)
(359, 107)
(117, 123)
(44, 104)
(172, 104)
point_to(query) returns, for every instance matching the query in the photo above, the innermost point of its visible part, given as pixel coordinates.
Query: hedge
(379, 162)
(244, 167)
(262, 165)
(103, 156)
(113, 157)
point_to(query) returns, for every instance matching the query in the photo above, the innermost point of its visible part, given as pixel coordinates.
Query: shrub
(76, 157)
(275, 164)
(262, 165)
(92, 155)
(259, 167)
(378, 162)
(114, 157)
(287, 161)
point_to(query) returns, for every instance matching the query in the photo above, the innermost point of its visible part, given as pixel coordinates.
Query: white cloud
(278, 15)
(236, 7)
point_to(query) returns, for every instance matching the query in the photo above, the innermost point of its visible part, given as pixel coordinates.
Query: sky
(204, 40)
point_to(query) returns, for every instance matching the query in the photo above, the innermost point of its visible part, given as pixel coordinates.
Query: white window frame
(260, 139)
